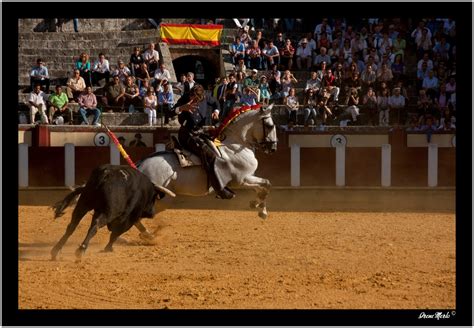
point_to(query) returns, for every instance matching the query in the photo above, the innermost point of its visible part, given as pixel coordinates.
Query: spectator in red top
(329, 84)
(254, 55)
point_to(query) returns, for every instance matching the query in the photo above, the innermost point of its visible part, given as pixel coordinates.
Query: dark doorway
(205, 71)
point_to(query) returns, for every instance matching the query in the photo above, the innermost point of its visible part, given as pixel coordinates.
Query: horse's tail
(60, 206)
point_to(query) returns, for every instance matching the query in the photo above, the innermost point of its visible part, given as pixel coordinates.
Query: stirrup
(225, 193)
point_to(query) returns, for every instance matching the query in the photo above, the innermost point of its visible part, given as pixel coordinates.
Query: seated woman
(323, 109)
(84, 66)
(150, 103)
(132, 96)
(309, 110)
(291, 103)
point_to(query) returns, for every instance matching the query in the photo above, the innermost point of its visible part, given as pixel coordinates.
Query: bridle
(266, 143)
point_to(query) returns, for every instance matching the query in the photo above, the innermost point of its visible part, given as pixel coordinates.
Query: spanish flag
(204, 35)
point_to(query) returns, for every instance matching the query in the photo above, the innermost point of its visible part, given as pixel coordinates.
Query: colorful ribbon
(119, 146)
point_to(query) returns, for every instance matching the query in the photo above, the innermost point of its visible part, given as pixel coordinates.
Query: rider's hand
(215, 116)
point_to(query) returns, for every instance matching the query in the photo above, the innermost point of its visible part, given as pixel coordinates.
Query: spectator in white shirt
(311, 42)
(416, 34)
(304, 55)
(161, 76)
(122, 71)
(151, 57)
(36, 102)
(426, 59)
(100, 70)
(323, 27)
(396, 104)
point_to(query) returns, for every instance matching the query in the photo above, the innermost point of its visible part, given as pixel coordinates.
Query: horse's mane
(234, 116)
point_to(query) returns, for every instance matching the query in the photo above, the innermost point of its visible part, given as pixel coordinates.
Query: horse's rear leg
(98, 221)
(79, 211)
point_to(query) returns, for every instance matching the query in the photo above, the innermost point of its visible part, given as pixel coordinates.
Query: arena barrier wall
(54, 157)
(324, 199)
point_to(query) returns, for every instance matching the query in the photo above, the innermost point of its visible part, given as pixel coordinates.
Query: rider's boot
(209, 158)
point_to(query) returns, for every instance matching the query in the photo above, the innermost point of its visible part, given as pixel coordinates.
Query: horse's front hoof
(263, 215)
(253, 204)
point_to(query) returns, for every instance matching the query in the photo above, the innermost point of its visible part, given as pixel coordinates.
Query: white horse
(250, 130)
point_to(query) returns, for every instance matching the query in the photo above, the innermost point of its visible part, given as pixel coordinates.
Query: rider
(192, 109)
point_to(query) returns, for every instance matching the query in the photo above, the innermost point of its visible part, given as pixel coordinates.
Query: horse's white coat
(240, 140)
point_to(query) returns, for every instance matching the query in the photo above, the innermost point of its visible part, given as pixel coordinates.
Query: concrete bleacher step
(96, 35)
(87, 45)
(60, 52)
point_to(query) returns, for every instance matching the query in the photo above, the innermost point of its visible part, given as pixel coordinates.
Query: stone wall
(84, 24)
(113, 37)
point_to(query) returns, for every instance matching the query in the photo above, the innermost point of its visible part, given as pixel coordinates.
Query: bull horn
(165, 190)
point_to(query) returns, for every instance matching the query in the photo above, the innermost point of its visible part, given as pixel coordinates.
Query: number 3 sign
(101, 139)
(338, 140)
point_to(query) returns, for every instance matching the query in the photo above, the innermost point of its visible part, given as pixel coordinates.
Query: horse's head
(267, 137)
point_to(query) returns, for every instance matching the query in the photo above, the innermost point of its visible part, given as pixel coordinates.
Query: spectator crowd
(374, 72)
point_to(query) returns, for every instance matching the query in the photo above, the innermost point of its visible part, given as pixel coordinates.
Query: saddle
(187, 158)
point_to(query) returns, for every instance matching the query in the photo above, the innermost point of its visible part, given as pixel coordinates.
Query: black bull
(119, 195)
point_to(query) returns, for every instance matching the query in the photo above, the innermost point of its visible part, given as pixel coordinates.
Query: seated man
(165, 101)
(122, 71)
(75, 86)
(237, 50)
(114, 95)
(304, 55)
(39, 75)
(271, 55)
(88, 106)
(59, 105)
(100, 70)
(151, 58)
(192, 109)
(253, 82)
(36, 102)
(162, 76)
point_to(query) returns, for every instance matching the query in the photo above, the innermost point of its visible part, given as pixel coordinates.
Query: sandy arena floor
(233, 259)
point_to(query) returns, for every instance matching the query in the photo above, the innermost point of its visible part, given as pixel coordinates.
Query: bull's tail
(60, 206)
